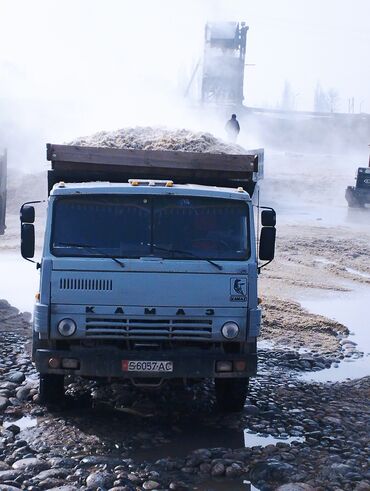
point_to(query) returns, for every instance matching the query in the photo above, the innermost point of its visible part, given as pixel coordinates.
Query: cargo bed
(70, 163)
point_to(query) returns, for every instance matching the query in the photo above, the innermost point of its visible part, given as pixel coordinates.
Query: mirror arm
(263, 265)
(38, 265)
(33, 202)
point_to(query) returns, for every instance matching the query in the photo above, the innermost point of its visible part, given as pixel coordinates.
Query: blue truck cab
(147, 281)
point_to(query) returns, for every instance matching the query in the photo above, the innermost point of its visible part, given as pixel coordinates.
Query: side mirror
(268, 218)
(267, 244)
(27, 240)
(27, 214)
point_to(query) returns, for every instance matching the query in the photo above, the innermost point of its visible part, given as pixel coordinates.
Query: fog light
(224, 366)
(240, 366)
(54, 362)
(66, 327)
(70, 363)
(230, 330)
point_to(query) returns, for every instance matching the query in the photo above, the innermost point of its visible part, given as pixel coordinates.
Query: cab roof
(152, 187)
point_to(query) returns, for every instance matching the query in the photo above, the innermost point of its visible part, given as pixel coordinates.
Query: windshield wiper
(90, 248)
(179, 251)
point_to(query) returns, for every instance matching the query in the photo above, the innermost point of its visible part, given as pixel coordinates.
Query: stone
(341, 469)
(23, 393)
(51, 482)
(14, 429)
(362, 486)
(4, 402)
(8, 385)
(30, 464)
(218, 469)
(51, 473)
(99, 459)
(251, 409)
(178, 486)
(271, 470)
(15, 377)
(99, 479)
(234, 470)
(65, 488)
(150, 484)
(295, 486)
(9, 475)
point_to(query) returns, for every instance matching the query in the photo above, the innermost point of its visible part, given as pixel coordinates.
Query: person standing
(232, 129)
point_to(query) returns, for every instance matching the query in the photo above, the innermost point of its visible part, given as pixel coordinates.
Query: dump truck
(149, 269)
(359, 195)
(3, 178)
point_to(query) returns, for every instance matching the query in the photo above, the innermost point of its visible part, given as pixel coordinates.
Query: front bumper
(99, 363)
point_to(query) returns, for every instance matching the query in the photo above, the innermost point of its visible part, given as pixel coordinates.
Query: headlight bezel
(230, 324)
(62, 323)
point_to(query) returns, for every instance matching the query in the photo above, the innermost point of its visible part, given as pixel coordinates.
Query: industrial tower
(223, 62)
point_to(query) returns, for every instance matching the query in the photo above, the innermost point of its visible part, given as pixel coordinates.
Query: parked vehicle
(359, 195)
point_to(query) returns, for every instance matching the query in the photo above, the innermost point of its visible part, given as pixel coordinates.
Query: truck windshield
(171, 227)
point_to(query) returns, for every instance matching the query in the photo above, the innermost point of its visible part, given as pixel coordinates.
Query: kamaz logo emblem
(238, 289)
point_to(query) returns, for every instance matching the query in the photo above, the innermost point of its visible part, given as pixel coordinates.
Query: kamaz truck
(149, 269)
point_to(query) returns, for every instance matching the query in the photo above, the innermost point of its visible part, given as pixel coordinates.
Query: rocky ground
(113, 437)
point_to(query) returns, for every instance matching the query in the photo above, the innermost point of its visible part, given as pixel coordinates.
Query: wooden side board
(68, 157)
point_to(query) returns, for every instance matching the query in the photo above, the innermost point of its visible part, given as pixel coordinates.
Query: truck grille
(153, 329)
(85, 284)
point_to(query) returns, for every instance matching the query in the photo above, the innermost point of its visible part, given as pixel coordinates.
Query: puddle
(19, 281)
(358, 273)
(323, 260)
(23, 423)
(255, 439)
(350, 309)
(191, 437)
(222, 485)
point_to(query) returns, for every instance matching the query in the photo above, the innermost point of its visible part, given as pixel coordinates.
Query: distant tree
(287, 98)
(320, 104)
(325, 101)
(333, 100)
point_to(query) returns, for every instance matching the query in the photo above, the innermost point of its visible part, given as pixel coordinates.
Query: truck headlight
(230, 330)
(66, 327)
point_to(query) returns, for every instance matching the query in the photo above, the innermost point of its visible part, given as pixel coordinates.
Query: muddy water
(19, 281)
(221, 485)
(22, 423)
(352, 310)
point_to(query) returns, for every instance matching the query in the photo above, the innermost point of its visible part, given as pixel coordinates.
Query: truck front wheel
(231, 393)
(51, 388)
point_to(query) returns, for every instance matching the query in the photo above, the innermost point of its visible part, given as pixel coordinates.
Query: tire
(51, 388)
(352, 198)
(231, 393)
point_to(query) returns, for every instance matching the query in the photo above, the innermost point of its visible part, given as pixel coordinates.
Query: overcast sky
(133, 55)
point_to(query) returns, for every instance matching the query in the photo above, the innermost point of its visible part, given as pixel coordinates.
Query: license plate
(147, 366)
